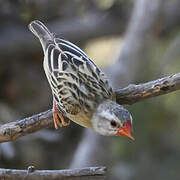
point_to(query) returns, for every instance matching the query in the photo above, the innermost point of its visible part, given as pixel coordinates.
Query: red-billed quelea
(81, 91)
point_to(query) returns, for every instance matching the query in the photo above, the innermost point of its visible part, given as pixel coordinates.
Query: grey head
(112, 119)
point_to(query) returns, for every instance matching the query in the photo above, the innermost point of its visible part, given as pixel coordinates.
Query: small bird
(81, 91)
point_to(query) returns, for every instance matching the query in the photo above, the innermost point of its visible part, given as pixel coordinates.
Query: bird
(81, 91)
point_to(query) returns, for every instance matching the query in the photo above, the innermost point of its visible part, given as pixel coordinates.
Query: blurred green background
(133, 41)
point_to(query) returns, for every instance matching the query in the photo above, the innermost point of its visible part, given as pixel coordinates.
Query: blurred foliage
(155, 154)
(110, 50)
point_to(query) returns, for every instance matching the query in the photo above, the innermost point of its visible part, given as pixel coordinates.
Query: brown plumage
(78, 86)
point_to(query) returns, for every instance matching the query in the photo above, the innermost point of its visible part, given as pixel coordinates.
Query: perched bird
(81, 91)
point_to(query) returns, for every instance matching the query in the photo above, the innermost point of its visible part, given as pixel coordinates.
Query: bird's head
(112, 119)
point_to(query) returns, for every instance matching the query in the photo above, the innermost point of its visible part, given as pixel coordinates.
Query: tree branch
(13, 130)
(134, 93)
(128, 95)
(89, 173)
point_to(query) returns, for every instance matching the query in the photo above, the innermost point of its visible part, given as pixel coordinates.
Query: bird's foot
(58, 118)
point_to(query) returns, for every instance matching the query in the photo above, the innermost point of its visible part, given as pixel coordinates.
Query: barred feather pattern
(77, 84)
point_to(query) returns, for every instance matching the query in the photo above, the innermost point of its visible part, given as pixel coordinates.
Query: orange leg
(58, 117)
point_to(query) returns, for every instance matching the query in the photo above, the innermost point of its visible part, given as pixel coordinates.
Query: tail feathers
(41, 31)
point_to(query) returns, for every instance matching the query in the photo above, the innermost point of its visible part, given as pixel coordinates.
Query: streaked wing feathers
(77, 83)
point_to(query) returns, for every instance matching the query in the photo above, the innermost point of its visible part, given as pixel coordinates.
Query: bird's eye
(113, 123)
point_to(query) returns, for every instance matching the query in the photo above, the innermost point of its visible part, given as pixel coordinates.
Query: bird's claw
(58, 118)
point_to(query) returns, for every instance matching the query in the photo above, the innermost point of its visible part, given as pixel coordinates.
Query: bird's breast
(82, 119)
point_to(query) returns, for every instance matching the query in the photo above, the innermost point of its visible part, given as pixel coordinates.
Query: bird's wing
(77, 83)
(75, 80)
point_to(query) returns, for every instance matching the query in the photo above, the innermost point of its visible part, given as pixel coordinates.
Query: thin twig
(90, 173)
(128, 95)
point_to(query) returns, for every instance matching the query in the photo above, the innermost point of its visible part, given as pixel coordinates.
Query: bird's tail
(42, 32)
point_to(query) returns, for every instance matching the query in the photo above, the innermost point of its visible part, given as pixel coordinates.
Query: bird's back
(77, 84)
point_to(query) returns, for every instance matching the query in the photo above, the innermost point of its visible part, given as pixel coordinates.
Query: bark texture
(89, 173)
(128, 95)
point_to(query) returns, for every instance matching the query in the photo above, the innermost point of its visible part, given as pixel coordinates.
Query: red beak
(126, 130)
